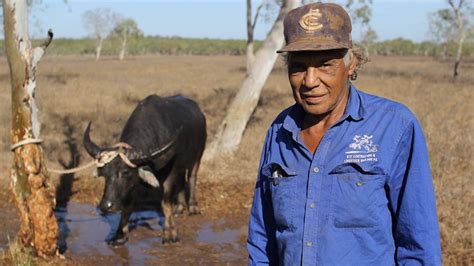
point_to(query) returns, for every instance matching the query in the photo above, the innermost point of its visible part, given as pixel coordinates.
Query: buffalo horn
(90, 146)
(135, 156)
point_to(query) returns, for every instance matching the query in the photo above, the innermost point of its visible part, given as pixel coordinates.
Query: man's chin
(315, 109)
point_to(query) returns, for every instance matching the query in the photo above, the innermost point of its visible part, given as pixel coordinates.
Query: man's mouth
(313, 98)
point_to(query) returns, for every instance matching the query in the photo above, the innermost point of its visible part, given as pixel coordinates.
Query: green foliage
(442, 26)
(127, 27)
(360, 11)
(147, 45)
(397, 46)
(402, 46)
(184, 46)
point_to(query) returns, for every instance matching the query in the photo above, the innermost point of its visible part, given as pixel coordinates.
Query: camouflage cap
(317, 27)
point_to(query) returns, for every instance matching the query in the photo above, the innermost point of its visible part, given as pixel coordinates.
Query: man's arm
(412, 199)
(261, 243)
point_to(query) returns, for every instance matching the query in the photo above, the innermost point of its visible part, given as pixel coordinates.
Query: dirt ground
(216, 237)
(73, 90)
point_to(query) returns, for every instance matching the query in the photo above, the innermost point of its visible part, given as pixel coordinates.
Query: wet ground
(84, 232)
(216, 237)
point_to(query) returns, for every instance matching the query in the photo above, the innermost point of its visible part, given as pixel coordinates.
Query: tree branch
(256, 15)
(38, 52)
(48, 40)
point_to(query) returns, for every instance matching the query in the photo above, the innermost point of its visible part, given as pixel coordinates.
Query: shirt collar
(354, 110)
(355, 106)
(293, 119)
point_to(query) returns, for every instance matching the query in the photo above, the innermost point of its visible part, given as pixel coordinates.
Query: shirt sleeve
(261, 243)
(412, 201)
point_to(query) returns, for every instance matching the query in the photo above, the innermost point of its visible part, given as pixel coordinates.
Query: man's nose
(311, 78)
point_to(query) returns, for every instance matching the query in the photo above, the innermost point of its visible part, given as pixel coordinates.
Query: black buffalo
(158, 155)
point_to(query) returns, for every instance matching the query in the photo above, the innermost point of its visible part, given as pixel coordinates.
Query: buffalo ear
(148, 177)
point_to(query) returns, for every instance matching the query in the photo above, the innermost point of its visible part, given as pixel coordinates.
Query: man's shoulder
(282, 116)
(374, 104)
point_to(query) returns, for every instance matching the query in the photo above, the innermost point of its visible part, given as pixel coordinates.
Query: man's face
(319, 79)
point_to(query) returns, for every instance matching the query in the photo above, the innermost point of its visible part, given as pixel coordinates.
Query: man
(344, 176)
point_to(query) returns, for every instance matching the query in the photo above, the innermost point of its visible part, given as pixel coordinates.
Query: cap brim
(313, 45)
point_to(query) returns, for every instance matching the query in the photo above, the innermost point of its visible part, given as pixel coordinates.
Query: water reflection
(83, 231)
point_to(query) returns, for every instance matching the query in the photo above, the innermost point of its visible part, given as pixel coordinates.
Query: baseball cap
(317, 27)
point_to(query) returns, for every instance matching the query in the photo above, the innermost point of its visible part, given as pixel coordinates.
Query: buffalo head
(122, 167)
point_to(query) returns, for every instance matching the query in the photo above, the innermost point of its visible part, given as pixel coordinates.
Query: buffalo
(157, 158)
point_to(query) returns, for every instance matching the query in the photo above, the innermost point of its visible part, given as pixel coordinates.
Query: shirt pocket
(282, 183)
(358, 195)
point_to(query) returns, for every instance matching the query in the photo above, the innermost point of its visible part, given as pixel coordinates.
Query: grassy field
(73, 90)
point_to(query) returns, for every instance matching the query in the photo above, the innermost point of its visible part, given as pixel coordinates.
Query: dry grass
(446, 113)
(74, 90)
(18, 254)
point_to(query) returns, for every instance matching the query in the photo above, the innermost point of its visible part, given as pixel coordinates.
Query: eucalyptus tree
(33, 194)
(99, 23)
(462, 15)
(452, 25)
(265, 6)
(242, 106)
(441, 25)
(126, 30)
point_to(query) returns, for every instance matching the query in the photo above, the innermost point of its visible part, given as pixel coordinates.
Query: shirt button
(316, 169)
(359, 183)
(309, 244)
(312, 205)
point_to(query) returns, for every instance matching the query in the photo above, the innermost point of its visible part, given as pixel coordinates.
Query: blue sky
(224, 19)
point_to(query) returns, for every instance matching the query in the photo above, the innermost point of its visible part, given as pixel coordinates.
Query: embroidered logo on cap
(310, 21)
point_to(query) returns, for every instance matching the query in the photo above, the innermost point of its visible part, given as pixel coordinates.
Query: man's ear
(353, 64)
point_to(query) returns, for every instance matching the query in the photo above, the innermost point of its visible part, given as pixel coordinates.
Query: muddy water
(221, 238)
(84, 233)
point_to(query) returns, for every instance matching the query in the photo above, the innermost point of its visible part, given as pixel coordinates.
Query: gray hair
(360, 53)
(348, 58)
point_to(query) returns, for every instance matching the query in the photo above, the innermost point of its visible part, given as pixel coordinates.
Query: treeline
(187, 46)
(402, 46)
(147, 45)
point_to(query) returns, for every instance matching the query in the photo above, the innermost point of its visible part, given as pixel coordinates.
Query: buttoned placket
(312, 219)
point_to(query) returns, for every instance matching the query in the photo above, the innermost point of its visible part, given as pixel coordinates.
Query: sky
(221, 19)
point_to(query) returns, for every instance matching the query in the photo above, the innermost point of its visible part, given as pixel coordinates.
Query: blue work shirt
(364, 198)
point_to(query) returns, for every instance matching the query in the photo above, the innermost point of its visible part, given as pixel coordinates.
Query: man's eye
(326, 65)
(296, 68)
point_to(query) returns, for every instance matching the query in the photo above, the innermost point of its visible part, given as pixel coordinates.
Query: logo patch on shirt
(362, 150)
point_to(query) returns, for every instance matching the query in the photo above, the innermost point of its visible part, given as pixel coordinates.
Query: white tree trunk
(124, 47)
(98, 48)
(232, 127)
(250, 28)
(250, 57)
(29, 176)
(457, 10)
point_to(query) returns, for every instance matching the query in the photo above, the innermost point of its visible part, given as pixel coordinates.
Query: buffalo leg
(181, 203)
(181, 198)
(170, 234)
(192, 178)
(121, 236)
